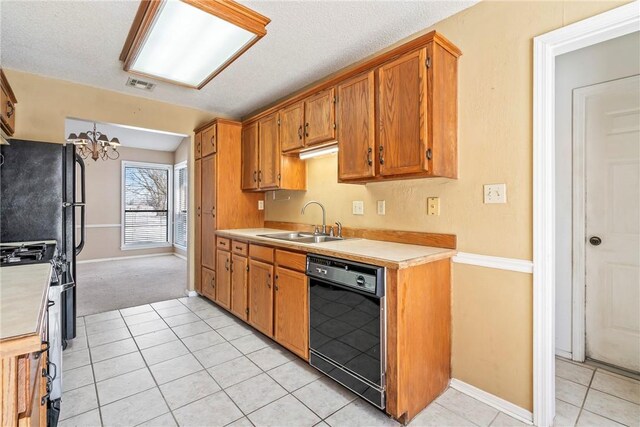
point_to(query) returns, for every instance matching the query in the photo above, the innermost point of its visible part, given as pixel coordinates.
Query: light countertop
(23, 298)
(385, 254)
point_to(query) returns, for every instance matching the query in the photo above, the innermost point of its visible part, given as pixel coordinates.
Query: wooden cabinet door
(198, 146)
(250, 157)
(209, 140)
(198, 225)
(223, 278)
(402, 96)
(356, 128)
(292, 127)
(269, 156)
(239, 286)
(292, 311)
(209, 212)
(261, 296)
(209, 283)
(320, 118)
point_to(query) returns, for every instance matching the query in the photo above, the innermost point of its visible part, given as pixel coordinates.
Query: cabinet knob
(595, 240)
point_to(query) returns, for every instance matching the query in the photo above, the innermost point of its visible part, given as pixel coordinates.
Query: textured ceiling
(80, 41)
(128, 136)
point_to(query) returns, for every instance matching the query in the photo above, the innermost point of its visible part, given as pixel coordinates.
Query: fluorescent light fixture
(317, 152)
(188, 42)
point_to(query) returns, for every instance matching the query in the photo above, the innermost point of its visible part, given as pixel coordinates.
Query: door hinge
(247, 268)
(335, 99)
(278, 122)
(279, 177)
(427, 62)
(247, 311)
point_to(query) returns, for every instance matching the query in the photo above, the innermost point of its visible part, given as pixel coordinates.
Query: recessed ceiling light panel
(189, 42)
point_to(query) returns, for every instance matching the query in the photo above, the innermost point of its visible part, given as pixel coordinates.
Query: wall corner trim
(500, 263)
(494, 401)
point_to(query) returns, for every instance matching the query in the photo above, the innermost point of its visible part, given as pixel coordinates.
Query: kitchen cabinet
(208, 211)
(269, 153)
(239, 294)
(208, 284)
(356, 129)
(264, 167)
(261, 296)
(197, 192)
(291, 327)
(223, 279)
(8, 103)
(209, 142)
(219, 199)
(292, 127)
(250, 157)
(320, 118)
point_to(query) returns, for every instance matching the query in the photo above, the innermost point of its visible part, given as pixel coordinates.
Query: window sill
(134, 247)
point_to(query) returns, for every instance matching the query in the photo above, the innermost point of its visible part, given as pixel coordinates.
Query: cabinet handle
(239, 248)
(10, 113)
(255, 176)
(226, 265)
(231, 266)
(259, 176)
(381, 155)
(300, 132)
(306, 129)
(198, 148)
(213, 211)
(198, 210)
(269, 280)
(369, 161)
(213, 144)
(429, 154)
(213, 282)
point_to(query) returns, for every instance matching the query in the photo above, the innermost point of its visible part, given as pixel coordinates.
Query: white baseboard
(499, 403)
(180, 256)
(565, 354)
(88, 261)
(190, 293)
(500, 263)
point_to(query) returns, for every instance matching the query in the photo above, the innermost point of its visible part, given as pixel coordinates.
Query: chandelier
(95, 144)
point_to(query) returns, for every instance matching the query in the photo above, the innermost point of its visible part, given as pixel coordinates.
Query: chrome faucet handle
(316, 230)
(330, 230)
(339, 225)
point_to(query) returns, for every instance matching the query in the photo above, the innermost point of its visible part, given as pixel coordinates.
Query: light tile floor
(187, 362)
(592, 396)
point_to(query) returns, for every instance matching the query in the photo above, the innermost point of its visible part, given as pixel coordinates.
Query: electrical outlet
(495, 193)
(358, 207)
(260, 205)
(433, 206)
(381, 207)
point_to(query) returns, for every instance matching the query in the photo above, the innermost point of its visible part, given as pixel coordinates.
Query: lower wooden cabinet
(292, 311)
(240, 266)
(208, 283)
(261, 296)
(223, 270)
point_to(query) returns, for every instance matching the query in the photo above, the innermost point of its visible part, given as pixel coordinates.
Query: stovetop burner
(26, 254)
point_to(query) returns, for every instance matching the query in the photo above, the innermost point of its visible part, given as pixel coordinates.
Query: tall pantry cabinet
(219, 200)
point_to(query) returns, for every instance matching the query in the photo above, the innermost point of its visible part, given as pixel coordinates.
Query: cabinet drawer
(223, 243)
(239, 248)
(264, 253)
(292, 260)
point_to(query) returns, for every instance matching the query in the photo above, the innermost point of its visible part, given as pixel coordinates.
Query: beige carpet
(110, 285)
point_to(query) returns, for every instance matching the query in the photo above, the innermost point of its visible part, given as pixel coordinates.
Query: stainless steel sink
(301, 237)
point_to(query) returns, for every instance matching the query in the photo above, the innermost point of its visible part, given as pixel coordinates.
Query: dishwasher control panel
(364, 277)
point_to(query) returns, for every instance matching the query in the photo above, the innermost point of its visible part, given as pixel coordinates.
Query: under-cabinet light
(188, 42)
(317, 152)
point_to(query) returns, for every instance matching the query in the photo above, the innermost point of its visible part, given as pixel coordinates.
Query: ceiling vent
(140, 84)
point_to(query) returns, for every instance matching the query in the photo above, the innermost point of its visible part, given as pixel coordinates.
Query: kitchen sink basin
(301, 237)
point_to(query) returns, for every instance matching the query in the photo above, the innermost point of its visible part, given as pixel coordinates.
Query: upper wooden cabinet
(8, 106)
(357, 129)
(395, 115)
(269, 153)
(292, 127)
(209, 142)
(320, 118)
(264, 167)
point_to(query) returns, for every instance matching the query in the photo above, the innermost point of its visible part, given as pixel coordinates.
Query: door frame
(606, 26)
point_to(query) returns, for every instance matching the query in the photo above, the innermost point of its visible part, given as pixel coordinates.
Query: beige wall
(44, 103)
(492, 309)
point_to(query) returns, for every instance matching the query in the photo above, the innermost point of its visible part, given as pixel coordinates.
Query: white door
(612, 224)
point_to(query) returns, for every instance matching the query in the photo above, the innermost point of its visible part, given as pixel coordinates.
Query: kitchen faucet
(324, 215)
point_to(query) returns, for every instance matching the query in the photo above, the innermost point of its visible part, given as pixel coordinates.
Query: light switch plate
(433, 205)
(260, 205)
(381, 207)
(495, 193)
(358, 207)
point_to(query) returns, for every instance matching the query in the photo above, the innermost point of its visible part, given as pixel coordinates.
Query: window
(146, 200)
(181, 198)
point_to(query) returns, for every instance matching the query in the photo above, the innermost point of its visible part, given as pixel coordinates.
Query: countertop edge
(446, 253)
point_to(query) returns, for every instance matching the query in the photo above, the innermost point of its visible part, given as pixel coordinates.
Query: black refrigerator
(41, 187)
